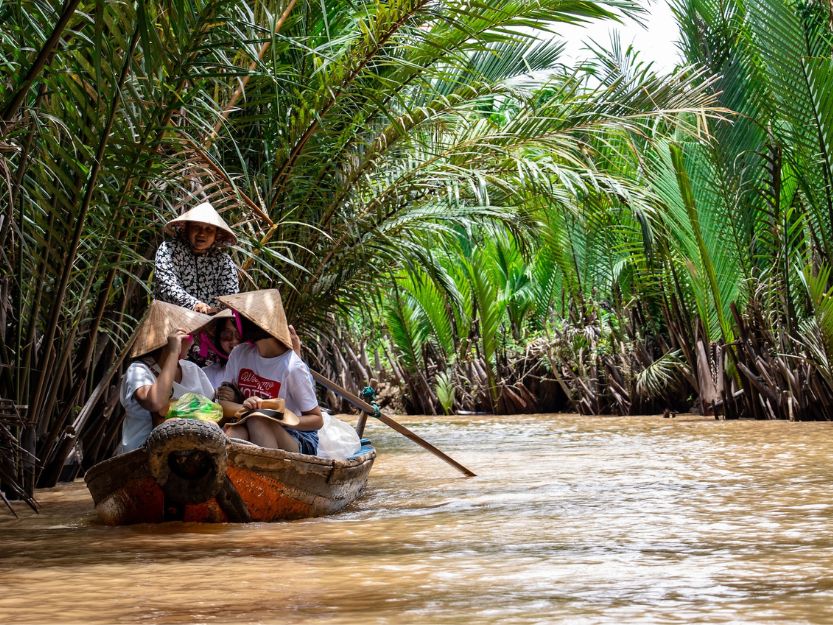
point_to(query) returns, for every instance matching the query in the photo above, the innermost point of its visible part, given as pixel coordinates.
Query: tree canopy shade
(431, 166)
(333, 135)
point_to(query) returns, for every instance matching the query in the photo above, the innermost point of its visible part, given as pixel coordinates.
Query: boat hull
(259, 485)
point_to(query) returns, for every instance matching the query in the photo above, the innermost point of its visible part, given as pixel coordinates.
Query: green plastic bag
(195, 406)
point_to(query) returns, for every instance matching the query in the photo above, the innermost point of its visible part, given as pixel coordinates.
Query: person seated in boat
(192, 268)
(159, 374)
(216, 344)
(266, 367)
(222, 337)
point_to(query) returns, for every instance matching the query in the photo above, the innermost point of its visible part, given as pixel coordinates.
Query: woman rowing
(192, 268)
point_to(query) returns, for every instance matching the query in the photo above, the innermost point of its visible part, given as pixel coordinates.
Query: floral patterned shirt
(185, 278)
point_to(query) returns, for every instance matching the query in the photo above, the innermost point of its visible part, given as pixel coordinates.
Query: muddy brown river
(570, 520)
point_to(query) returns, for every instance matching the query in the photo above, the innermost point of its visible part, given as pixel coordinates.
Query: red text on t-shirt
(251, 384)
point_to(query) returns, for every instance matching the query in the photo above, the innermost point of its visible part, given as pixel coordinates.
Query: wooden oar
(363, 405)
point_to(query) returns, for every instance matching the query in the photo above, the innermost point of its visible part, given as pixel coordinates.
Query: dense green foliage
(335, 136)
(707, 278)
(512, 234)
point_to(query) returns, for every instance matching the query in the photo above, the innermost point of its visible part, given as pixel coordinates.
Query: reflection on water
(570, 520)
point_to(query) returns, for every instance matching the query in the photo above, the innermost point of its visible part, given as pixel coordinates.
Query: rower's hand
(252, 403)
(202, 307)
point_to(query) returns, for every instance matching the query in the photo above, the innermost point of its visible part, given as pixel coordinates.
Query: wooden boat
(189, 471)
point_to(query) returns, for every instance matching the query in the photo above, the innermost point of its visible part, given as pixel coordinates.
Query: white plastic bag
(336, 439)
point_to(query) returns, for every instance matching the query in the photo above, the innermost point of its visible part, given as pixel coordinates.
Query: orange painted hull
(267, 484)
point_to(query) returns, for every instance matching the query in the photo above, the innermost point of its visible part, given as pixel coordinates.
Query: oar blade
(423, 443)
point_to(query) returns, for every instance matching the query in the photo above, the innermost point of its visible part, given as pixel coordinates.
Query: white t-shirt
(215, 372)
(285, 376)
(138, 422)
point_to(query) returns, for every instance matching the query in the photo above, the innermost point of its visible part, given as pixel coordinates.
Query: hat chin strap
(236, 316)
(237, 322)
(208, 346)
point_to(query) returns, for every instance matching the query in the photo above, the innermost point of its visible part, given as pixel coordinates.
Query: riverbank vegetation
(447, 210)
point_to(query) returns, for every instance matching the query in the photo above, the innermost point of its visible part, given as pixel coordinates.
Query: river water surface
(570, 520)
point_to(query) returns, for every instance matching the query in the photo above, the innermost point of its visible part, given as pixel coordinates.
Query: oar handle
(353, 399)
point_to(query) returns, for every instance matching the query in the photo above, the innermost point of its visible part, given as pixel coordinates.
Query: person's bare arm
(310, 420)
(296, 340)
(156, 397)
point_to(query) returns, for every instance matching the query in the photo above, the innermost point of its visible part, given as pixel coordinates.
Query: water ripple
(570, 520)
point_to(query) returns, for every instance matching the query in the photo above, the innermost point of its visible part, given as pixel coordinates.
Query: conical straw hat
(203, 213)
(286, 417)
(264, 309)
(162, 320)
